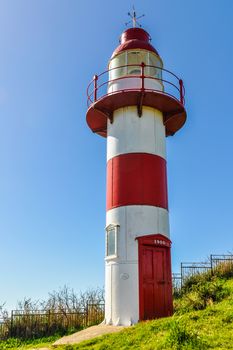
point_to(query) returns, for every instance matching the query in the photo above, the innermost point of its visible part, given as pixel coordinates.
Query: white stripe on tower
(128, 134)
(136, 201)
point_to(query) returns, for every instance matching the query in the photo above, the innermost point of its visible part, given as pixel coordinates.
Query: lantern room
(135, 76)
(125, 65)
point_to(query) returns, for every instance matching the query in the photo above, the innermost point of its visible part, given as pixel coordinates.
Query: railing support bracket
(139, 106)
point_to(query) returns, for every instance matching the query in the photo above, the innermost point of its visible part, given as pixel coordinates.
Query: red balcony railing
(170, 83)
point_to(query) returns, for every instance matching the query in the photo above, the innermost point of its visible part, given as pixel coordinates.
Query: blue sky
(52, 168)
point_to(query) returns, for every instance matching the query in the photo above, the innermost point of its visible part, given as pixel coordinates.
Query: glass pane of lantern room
(116, 69)
(155, 71)
(136, 57)
(111, 242)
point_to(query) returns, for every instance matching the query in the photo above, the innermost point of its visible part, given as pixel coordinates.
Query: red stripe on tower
(136, 179)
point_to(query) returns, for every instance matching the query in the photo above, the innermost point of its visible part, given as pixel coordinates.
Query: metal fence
(3, 330)
(43, 323)
(216, 260)
(194, 268)
(188, 269)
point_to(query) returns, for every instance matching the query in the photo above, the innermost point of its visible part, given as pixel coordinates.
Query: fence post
(87, 308)
(95, 86)
(143, 76)
(181, 91)
(211, 264)
(49, 321)
(181, 273)
(11, 325)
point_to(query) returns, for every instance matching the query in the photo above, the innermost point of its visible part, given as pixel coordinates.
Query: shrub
(224, 269)
(194, 280)
(201, 294)
(212, 291)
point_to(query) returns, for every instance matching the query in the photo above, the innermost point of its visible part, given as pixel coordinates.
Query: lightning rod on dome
(134, 18)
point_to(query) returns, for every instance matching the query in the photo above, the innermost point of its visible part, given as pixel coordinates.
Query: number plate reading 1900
(161, 242)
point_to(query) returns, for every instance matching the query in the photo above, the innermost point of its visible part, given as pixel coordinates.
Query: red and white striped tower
(136, 103)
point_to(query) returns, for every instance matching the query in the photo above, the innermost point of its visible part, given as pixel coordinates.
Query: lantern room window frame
(123, 61)
(111, 229)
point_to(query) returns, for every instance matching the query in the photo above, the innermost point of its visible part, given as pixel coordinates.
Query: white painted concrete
(129, 134)
(121, 274)
(122, 299)
(135, 221)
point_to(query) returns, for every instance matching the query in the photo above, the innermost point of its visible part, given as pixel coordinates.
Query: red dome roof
(134, 38)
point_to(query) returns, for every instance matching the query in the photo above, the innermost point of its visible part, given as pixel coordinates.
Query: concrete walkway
(88, 333)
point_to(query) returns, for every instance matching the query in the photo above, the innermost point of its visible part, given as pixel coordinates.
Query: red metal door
(154, 279)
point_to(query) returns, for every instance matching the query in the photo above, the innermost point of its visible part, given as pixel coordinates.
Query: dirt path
(88, 333)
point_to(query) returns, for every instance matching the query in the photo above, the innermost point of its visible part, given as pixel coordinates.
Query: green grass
(209, 328)
(14, 343)
(203, 319)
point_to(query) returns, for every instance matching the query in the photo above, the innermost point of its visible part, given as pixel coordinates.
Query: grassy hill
(203, 319)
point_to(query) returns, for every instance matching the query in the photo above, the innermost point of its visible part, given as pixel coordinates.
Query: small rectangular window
(111, 240)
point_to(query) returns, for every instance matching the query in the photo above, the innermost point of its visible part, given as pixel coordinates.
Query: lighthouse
(135, 104)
